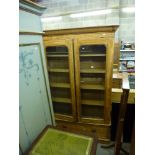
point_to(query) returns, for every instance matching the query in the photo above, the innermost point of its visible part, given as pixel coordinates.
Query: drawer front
(102, 132)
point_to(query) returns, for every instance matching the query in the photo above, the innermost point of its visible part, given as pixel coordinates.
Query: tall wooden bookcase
(80, 63)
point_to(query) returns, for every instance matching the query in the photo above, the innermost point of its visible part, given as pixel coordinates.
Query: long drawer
(102, 132)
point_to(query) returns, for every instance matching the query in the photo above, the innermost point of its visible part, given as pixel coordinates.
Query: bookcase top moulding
(110, 28)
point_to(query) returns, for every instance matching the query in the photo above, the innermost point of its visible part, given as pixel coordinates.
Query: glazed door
(93, 70)
(60, 66)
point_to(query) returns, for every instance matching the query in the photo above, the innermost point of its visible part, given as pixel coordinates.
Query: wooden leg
(119, 133)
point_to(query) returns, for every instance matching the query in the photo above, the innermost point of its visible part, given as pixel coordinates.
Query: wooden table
(117, 88)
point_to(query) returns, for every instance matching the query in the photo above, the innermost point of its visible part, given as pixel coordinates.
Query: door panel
(93, 79)
(60, 66)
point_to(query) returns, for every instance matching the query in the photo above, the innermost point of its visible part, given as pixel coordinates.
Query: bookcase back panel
(61, 92)
(56, 50)
(58, 63)
(62, 108)
(92, 111)
(90, 78)
(92, 63)
(59, 77)
(92, 49)
(92, 56)
(92, 94)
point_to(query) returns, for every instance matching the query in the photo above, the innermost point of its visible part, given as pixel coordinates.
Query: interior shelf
(60, 85)
(93, 102)
(59, 70)
(92, 71)
(92, 55)
(92, 86)
(56, 55)
(62, 100)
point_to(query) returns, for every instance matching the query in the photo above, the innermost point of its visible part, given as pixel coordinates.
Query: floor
(110, 151)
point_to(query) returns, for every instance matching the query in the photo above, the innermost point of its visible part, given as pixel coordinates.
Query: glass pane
(57, 50)
(62, 108)
(92, 111)
(59, 77)
(89, 78)
(92, 95)
(58, 63)
(93, 62)
(60, 92)
(93, 57)
(57, 57)
(58, 67)
(93, 49)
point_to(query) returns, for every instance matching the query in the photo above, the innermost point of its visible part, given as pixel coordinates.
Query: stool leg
(119, 133)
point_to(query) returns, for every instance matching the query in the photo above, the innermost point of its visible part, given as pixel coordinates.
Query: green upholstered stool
(53, 141)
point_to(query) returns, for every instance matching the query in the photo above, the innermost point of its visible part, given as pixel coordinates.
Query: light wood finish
(91, 120)
(79, 36)
(78, 43)
(92, 55)
(60, 85)
(62, 100)
(63, 117)
(106, 29)
(101, 131)
(116, 54)
(108, 81)
(93, 102)
(92, 86)
(116, 96)
(117, 91)
(70, 70)
(59, 70)
(93, 75)
(57, 55)
(92, 71)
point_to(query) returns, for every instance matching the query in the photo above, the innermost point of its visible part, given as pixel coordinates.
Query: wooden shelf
(60, 85)
(92, 102)
(92, 55)
(64, 117)
(92, 86)
(92, 71)
(56, 55)
(60, 99)
(59, 70)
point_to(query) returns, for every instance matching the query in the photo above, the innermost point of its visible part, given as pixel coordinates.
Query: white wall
(63, 8)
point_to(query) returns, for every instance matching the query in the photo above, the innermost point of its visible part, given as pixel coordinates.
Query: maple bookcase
(80, 64)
